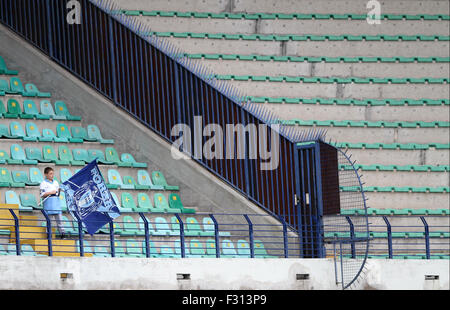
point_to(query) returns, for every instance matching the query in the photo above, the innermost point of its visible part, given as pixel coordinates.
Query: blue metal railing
(226, 235)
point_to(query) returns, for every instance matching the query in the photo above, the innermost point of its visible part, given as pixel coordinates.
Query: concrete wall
(44, 273)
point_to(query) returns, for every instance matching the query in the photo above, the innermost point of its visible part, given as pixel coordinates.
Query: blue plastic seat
(62, 131)
(98, 154)
(5, 133)
(30, 108)
(22, 177)
(6, 179)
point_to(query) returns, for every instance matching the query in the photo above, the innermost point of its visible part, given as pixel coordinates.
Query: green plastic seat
(228, 249)
(61, 110)
(35, 153)
(161, 203)
(12, 198)
(64, 174)
(111, 155)
(48, 134)
(134, 248)
(6, 179)
(119, 205)
(175, 203)
(22, 177)
(192, 227)
(159, 179)
(130, 227)
(16, 86)
(145, 180)
(5, 133)
(17, 130)
(4, 87)
(162, 228)
(128, 158)
(5, 158)
(2, 106)
(80, 133)
(196, 249)
(13, 109)
(49, 154)
(31, 90)
(210, 245)
(18, 153)
(65, 155)
(36, 175)
(243, 249)
(33, 134)
(115, 180)
(81, 155)
(47, 110)
(128, 201)
(4, 69)
(62, 131)
(28, 200)
(145, 204)
(119, 248)
(151, 230)
(94, 133)
(129, 180)
(98, 154)
(208, 228)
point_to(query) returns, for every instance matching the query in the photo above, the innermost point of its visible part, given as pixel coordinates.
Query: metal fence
(222, 235)
(150, 235)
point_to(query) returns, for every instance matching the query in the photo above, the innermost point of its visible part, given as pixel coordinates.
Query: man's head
(48, 172)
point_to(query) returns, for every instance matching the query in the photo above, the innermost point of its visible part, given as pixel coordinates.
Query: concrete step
(295, 26)
(401, 157)
(314, 48)
(367, 113)
(401, 178)
(338, 7)
(322, 69)
(350, 90)
(386, 135)
(398, 200)
(287, 6)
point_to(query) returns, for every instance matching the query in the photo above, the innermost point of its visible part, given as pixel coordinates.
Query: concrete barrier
(44, 273)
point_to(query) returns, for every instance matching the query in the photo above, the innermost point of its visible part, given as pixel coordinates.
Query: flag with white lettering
(88, 197)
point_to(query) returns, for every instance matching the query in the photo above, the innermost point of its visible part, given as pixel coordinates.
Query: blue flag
(88, 197)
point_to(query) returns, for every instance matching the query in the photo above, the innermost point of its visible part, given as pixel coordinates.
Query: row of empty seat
(127, 204)
(15, 87)
(76, 134)
(66, 156)
(13, 109)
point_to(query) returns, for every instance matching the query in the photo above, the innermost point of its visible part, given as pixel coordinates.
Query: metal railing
(421, 237)
(219, 235)
(151, 235)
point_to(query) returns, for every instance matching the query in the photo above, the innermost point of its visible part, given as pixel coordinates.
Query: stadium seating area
(381, 91)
